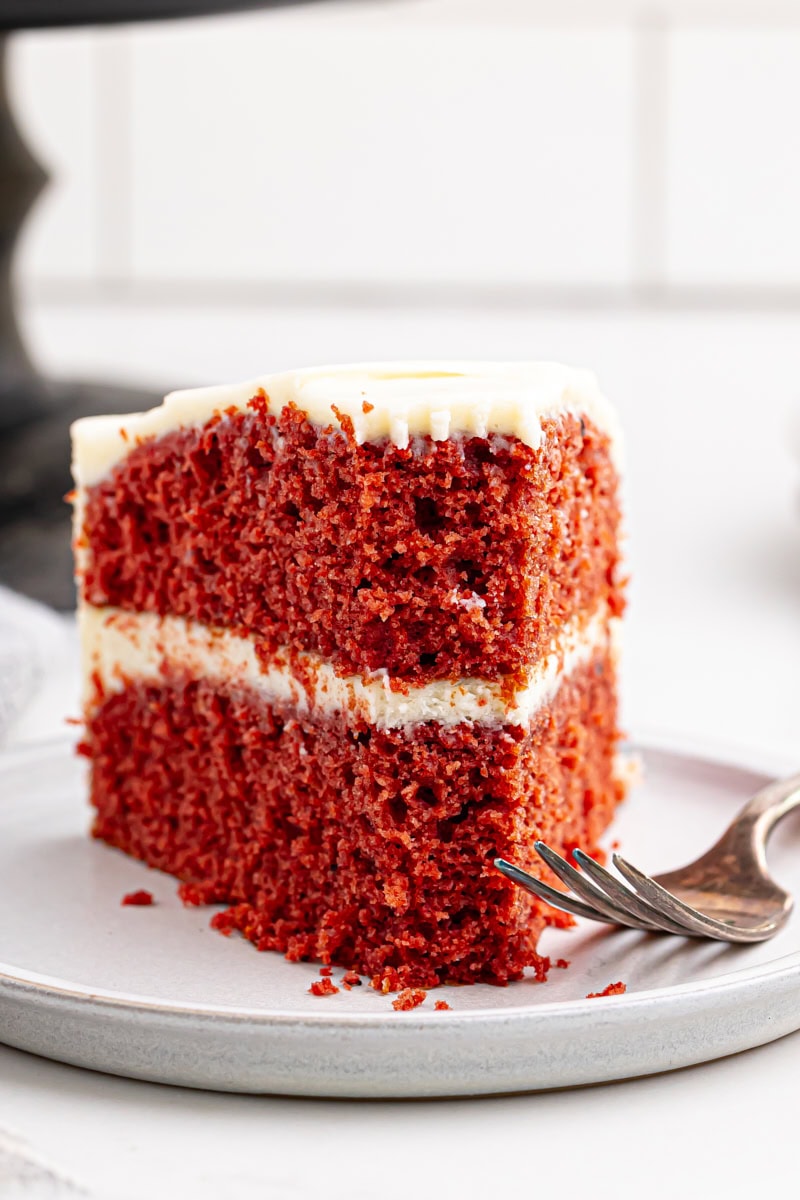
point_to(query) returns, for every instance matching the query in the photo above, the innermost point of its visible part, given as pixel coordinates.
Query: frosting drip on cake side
(394, 401)
(121, 647)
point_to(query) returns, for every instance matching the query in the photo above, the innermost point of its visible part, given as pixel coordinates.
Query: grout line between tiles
(331, 295)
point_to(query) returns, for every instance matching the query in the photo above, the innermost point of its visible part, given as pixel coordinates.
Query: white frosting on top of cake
(121, 647)
(395, 401)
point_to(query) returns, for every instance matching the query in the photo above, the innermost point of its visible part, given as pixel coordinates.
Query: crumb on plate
(613, 989)
(138, 899)
(409, 998)
(323, 987)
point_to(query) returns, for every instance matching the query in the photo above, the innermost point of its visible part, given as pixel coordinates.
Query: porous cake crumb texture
(447, 559)
(367, 848)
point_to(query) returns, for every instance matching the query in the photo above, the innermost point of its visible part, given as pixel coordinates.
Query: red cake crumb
(613, 989)
(352, 979)
(442, 1006)
(323, 987)
(326, 970)
(387, 980)
(541, 967)
(138, 899)
(192, 895)
(562, 963)
(409, 998)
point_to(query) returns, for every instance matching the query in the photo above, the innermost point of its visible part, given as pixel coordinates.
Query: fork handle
(745, 839)
(770, 805)
(749, 830)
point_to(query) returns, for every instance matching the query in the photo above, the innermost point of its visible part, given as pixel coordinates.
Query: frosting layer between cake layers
(392, 401)
(121, 647)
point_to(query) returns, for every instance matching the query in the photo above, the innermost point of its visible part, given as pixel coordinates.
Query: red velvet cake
(349, 635)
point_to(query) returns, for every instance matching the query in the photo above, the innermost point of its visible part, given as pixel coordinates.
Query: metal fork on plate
(726, 894)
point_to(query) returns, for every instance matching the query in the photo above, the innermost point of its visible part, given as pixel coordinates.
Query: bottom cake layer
(363, 847)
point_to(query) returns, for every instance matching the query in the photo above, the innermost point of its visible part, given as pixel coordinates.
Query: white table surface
(711, 406)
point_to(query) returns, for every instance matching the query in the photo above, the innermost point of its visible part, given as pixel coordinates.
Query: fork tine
(625, 897)
(544, 892)
(696, 923)
(584, 888)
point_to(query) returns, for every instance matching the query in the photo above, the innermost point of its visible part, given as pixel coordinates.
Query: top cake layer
(420, 523)
(384, 401)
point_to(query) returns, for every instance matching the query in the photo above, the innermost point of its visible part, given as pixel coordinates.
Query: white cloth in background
(38, 663)
(24, 1176)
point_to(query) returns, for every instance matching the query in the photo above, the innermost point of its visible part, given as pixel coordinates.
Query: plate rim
(777, 971)
(783, 969)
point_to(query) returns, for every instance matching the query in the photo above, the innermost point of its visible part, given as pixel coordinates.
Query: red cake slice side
(329, 680)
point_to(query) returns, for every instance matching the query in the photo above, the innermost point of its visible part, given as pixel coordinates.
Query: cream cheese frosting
(120, 647)
(394, 401)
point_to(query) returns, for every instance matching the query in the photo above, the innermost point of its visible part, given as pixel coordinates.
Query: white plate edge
(783, 969)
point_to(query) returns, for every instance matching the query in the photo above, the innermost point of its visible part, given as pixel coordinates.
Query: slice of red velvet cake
(348, 636)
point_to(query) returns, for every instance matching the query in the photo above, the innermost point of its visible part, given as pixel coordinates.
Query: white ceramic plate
(155, 994)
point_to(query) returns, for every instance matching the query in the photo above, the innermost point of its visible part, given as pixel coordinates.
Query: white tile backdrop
(734, 158)
(604, 151)
(385, 154)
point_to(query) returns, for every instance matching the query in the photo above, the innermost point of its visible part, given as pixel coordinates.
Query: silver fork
(726, 894)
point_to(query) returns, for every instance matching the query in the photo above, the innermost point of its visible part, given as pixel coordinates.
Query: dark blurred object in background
(35, 413)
